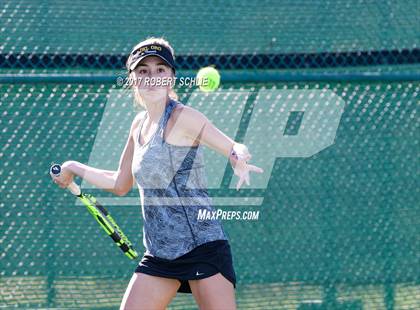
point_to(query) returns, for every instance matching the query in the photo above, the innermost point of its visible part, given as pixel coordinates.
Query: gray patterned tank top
(173, 191)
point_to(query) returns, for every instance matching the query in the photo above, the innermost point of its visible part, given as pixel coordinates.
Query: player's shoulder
(187, 111)
(179, 107)
(137, 119)
(190, 119)
(139, 116)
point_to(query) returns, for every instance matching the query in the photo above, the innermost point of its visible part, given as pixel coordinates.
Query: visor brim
(136, 63)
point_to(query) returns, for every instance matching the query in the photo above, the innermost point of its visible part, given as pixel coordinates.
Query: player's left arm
(197, 126)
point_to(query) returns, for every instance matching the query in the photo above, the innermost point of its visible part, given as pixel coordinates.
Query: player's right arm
(124, 179)
(118, 182)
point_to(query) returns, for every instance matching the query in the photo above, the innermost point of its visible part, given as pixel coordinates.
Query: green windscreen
(338, 226)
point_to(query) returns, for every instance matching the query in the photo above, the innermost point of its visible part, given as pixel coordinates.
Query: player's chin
(153, 92)
(154, 88)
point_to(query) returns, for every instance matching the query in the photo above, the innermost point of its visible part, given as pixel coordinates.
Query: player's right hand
(66, 175)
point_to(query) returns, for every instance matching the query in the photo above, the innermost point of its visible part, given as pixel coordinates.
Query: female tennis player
(163, 155)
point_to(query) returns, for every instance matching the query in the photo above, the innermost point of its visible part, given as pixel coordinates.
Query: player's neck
(155, 109)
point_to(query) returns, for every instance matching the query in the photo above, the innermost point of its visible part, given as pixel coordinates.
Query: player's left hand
(241, 168)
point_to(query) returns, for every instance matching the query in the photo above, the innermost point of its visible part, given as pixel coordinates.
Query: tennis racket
(101, 215)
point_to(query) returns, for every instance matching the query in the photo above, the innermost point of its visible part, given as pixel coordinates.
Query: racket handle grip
(73, 187)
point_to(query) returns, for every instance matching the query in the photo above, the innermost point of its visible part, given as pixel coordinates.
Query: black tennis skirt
(202, 262)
